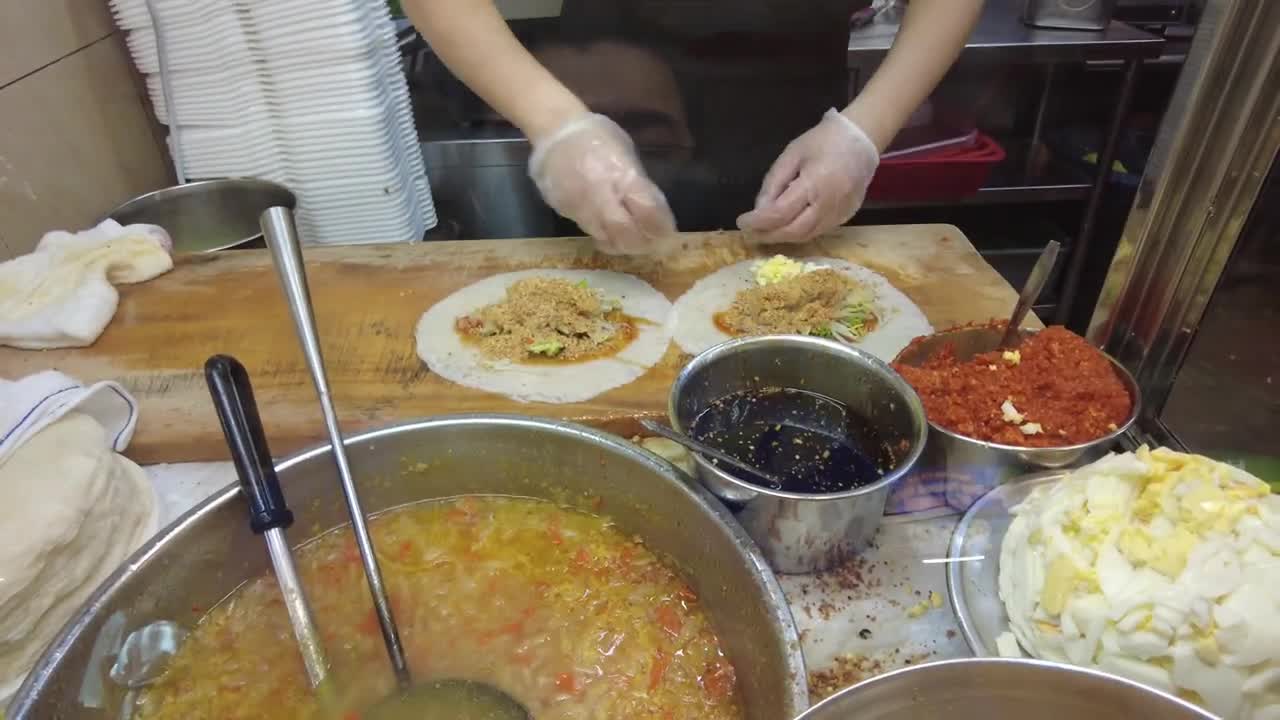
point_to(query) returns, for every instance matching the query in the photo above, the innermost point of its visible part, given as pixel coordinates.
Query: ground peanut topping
(807, 304)
(548, 318)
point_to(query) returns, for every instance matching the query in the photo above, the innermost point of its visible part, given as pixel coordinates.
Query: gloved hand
(588, 171)
(816, 185)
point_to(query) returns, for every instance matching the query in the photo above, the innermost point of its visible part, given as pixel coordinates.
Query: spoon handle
(703, 449)
(1031, 291)
(282, 238)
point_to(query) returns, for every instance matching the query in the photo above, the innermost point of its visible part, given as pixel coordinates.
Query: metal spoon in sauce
(770, 479)
(462, 699)
(1030, 293)
(143, 658)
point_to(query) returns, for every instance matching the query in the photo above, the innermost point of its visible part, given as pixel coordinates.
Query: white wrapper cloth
(71, 506)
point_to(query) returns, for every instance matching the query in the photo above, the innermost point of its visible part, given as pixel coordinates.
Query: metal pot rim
(817, 709)
(904, 464)
(93, 607)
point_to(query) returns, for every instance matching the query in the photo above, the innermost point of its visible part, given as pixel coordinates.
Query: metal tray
(973, 562)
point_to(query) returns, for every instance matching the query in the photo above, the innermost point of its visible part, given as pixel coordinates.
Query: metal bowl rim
(1025, 662)
(1126, 378)
(964, 616)
(778, 607)
(915, 406)
(250, 183)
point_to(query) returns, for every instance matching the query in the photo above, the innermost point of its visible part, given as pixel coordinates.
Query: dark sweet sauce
(813, 443)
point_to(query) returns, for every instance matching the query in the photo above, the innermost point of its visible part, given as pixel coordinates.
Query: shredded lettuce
(822, 332)
(582, 283)
(548, 348)
(851, 326)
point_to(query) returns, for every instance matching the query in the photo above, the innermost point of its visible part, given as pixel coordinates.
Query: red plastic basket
(946, 175)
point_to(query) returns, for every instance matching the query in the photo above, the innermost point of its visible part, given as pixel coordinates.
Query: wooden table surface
(368, 300)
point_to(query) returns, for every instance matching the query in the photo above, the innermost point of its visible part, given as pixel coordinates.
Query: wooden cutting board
(368, 300)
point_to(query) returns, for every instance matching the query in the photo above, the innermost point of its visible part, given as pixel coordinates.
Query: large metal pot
(981, 689)
(210, 551)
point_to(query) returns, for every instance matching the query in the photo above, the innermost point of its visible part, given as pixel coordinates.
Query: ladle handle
(281, 234)
(1031, 292)
(268, 515)
(233, 399)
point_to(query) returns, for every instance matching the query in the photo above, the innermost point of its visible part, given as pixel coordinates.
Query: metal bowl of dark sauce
(836, 425)
(813, 443)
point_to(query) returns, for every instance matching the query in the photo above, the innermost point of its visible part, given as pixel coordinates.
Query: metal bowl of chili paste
(994, 462)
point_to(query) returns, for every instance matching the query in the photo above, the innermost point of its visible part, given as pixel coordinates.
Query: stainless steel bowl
(801, 533)
(992, 463)
(987, 688)
(208, 215)
(210, 551)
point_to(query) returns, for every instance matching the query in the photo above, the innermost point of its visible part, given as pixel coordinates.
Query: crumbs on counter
(933, 602)
(850, 669)
(826, 610)
(850, 580)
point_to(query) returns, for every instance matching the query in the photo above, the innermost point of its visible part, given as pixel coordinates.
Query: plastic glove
(588, 171)
(816, 185)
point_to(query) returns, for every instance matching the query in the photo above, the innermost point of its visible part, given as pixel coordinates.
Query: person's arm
(474, 41)
(821, 179)
(932, 34)
(584, 165)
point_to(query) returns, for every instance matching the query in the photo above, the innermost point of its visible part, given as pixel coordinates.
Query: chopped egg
(1158, 566)
(779, 268)
(932, 602)
(1010, 413)
(1031, 428)
(1013, 357)
(1007, 645)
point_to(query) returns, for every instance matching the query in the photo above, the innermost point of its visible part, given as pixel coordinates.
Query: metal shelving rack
(1002, 37)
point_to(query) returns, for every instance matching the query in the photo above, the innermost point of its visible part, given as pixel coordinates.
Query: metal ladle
(269, 515)
(703, 449)
(143, 658)
(458, 698)
(1030, 293)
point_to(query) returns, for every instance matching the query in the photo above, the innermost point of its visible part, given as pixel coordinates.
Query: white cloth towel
(29, 405)
(63, 294)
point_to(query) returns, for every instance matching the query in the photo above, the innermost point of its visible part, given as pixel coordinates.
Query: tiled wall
(76, 137)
